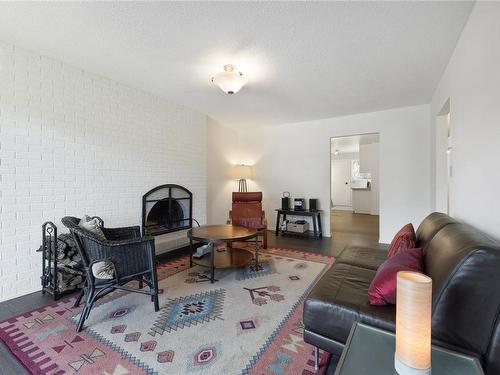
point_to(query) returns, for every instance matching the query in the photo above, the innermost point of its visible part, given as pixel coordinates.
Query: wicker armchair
(132, 258)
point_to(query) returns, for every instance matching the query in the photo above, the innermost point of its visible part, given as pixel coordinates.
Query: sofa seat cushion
(364, 257)
(340, 298)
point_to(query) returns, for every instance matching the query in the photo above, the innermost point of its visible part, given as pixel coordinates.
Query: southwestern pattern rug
(247, 322)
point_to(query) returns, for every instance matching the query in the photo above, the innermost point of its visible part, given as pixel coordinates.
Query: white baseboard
(342, 208)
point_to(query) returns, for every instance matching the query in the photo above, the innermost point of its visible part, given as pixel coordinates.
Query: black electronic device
(313, 204)
(285, 203)
(299, 204)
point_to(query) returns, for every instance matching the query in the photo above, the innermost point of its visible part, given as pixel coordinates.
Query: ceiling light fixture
(336, 152)
(230, 80)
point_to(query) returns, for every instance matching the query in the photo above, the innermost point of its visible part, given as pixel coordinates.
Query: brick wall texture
(74, 143)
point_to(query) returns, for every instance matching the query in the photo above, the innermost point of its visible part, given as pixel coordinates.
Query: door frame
(330, 171)
(442, 183)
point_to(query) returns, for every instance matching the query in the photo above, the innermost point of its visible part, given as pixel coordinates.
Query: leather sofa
(464, 265)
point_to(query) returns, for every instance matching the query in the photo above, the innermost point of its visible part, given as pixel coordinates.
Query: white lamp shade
(241, 172)
(413, 323)
(230, 80)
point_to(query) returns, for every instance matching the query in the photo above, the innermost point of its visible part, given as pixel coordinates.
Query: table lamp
(413, 324)
(241, 172)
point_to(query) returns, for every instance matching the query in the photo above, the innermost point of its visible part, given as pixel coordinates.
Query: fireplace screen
(166, 208)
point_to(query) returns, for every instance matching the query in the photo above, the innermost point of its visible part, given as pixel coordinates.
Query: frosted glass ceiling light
(230, 80)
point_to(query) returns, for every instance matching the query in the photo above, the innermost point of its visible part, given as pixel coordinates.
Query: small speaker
(313, 204)
(285, 203)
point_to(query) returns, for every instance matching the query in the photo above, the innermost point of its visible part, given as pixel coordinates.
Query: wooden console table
(317, 232)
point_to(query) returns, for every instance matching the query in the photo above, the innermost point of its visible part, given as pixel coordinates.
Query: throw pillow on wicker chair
(100, 270)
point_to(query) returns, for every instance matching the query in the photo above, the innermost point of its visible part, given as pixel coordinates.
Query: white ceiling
(303, 60)
(351, 143)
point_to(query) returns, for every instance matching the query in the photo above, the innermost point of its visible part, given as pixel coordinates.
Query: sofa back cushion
(464, 266)
(428, 228)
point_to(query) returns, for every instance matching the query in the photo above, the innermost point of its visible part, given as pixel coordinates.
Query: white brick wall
(73, 143)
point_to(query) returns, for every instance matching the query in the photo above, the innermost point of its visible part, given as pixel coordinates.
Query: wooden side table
(371, 350)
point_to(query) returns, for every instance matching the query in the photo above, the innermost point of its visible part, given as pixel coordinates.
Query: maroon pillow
(403, 240)
(382, 290)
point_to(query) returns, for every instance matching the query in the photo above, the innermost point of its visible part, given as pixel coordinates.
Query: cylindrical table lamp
(413, 324)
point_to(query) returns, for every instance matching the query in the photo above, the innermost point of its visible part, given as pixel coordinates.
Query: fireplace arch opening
(166, 208)
(167, 213)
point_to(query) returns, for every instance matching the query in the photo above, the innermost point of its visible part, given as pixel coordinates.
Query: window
(355, 169)
(356, 174)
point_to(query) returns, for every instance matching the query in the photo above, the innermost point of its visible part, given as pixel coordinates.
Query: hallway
(349, 228)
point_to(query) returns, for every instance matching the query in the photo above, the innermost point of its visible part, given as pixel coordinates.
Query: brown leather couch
(464, 265)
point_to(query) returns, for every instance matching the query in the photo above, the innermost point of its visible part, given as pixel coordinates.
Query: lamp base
(242, 185)
(403, 369)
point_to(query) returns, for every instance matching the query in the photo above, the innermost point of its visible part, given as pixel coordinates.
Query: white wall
(222, 155)
(296, 158)
(73, 143)
(472, 83)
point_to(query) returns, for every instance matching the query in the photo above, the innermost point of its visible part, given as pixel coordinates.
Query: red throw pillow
(382, 290)
(403, 240)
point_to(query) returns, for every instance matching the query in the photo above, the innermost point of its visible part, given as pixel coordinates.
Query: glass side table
(371, 351)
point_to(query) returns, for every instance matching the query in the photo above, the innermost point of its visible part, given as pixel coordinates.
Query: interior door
(341, 183)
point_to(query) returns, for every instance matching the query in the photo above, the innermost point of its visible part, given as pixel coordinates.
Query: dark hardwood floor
(341, 236)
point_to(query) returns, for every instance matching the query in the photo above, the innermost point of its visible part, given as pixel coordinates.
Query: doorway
(443, 167)
(354, 189)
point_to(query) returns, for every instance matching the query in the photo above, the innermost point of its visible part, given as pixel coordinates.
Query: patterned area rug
(245, 323)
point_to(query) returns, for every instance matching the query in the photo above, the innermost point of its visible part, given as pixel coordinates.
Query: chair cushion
(382, 290)
(403, 240)
(254, 196)
(339, 299)
(247, 210)
(92, 225)
(247, 214)
(247, 222)
(364, 257)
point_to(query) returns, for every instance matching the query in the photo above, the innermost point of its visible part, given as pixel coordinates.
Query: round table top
(226, 232)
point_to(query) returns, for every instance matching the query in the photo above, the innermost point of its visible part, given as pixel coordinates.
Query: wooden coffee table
(230, 257)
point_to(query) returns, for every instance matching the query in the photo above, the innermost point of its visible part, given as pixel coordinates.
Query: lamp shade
(413, 323)
(230, 80)
(241, 172)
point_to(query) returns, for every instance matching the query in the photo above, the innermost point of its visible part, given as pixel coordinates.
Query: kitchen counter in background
(362, 200)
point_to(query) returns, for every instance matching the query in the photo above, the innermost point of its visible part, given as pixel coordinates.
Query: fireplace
(166, 208)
